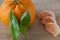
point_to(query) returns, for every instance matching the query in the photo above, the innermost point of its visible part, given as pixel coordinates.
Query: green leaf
(15, 1)
(24, 22)
(14, 26)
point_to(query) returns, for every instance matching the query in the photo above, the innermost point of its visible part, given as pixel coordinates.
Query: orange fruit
(17, 9)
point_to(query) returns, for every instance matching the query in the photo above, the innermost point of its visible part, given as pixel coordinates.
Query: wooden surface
(36, 30)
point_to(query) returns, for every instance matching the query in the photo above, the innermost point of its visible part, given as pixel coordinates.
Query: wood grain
(36, 31)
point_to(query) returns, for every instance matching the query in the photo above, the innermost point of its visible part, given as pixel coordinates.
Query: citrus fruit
(18, 10)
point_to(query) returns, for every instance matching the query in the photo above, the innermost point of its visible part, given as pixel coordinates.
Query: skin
(17, 9)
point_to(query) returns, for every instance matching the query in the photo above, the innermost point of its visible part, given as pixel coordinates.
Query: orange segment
(53, 28)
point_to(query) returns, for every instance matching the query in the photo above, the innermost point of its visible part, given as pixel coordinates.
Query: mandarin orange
(18, 10)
